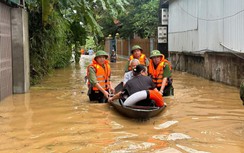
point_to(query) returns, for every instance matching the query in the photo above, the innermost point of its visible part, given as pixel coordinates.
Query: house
(205, 38)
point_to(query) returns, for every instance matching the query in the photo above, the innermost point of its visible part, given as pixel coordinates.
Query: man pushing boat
(98, 74)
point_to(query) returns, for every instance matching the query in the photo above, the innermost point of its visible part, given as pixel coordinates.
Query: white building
(206, 38)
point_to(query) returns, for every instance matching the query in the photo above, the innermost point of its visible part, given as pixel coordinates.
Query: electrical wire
(210, 19)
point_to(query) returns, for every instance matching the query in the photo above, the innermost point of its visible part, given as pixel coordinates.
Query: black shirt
(138, 83)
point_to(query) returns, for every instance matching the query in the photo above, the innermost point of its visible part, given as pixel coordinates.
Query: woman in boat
(98, 74)
(160, 71)
(138, 83)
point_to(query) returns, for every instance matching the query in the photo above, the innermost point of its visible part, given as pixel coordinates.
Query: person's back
(139, 83)
(90, 51)
(142, 85)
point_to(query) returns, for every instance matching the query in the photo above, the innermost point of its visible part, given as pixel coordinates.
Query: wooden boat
(139, 112)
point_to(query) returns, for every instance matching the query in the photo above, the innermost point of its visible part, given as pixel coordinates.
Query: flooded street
(56, 116)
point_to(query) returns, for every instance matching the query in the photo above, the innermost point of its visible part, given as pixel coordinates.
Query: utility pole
(163, 27)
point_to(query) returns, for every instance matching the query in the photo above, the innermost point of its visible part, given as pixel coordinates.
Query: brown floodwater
(56, 116)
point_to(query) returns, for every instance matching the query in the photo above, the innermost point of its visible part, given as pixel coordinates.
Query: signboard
(164, 16)
(162, 34)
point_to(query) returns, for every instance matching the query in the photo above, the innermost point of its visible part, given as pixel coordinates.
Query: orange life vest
(102, 74)
(142, 60)
(156, 74)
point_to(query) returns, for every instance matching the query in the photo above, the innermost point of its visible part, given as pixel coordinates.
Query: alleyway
(56, 116)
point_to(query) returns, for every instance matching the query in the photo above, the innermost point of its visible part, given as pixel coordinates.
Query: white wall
(198, 25)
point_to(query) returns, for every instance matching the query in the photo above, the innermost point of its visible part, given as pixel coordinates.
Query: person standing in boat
(129, 75)
(160, 70)
(136, 53)
(139, 82)
(98, 74)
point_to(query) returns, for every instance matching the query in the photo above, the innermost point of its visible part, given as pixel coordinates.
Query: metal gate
(5, 52)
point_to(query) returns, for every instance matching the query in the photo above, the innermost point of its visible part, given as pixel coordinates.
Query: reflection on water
(56, 116)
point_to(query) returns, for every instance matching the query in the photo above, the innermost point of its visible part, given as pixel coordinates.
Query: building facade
(205, 38)
(14, 48)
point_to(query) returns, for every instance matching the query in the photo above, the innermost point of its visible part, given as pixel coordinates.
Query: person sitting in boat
(136, 53)
(129, 75)
(98, 75)
(140, 82)
(160, 71)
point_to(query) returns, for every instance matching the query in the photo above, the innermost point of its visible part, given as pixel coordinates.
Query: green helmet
(135, 47)
(155, 53)
(101, 53)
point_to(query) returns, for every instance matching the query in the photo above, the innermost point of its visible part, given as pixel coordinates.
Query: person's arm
(163, 85)
(126, 77)
(105, 93)
(116, 96)
(92, 76)
(166, 75)
(112, 90)
(147, 62)
(110, 87)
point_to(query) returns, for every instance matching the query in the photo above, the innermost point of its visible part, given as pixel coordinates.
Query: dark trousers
(168, 90)
(95, 95)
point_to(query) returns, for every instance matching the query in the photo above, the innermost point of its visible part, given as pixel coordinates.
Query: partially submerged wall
(20, 52)
(222, 67)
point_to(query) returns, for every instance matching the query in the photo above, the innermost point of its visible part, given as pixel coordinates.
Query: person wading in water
(98, 75)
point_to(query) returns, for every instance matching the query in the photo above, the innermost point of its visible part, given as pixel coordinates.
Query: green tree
(141, 18)
(56, 25)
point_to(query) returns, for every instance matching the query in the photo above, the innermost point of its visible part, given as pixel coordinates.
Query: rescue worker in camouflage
(160, 70)
(98, 74)
(136, 53)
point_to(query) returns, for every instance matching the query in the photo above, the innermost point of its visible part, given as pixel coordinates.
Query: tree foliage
(141, 18)
(56, 25)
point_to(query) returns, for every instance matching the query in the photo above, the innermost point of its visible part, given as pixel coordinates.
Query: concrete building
(14, 48)
(205, 38)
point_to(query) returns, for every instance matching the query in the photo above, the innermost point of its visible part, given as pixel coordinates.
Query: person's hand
(110, 99)
(112, 90)
(106, 94)
(161, 92)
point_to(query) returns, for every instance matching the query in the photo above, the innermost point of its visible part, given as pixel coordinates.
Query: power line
(210, 19)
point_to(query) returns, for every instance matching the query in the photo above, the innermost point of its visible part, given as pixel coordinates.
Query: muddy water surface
(56, 116)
